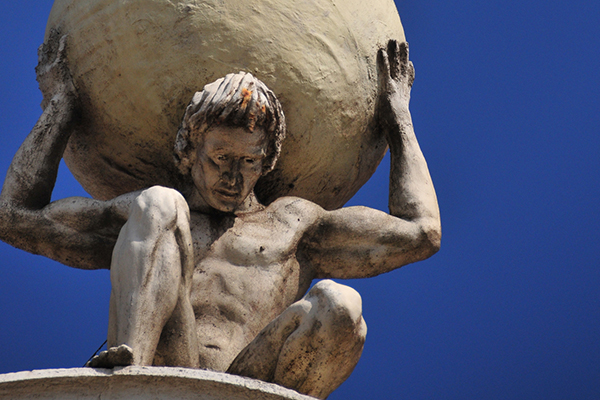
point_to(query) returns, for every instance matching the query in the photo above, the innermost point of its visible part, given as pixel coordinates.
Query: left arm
(358, 242)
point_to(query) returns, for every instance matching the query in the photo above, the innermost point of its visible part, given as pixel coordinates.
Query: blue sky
(506, 107)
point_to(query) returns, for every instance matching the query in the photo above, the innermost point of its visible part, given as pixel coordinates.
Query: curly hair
(237, 100)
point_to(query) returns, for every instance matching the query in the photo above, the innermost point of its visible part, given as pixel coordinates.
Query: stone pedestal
(138, 383)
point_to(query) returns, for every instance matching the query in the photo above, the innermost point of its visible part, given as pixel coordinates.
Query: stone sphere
(138, 63)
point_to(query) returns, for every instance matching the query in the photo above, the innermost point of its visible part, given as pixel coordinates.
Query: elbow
(431, 234)
(9, 223)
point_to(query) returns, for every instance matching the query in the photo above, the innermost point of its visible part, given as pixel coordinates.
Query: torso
(246, 274)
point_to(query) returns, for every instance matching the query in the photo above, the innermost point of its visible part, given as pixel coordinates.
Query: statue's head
(231, 135)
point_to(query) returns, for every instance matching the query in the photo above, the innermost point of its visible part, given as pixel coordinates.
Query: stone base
(138, 383)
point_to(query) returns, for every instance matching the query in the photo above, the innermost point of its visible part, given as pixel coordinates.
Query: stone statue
(212, 278)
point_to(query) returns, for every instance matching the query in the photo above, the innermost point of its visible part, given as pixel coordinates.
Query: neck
(249, 205)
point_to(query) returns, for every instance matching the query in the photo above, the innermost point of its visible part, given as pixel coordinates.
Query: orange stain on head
(247, 96)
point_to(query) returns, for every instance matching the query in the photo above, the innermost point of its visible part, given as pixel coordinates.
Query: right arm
(76, 231)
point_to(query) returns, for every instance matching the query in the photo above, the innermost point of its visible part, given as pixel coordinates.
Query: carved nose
(228, 178)
(230, 175)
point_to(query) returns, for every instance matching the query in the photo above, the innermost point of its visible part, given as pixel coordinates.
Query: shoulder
(295, 207)
(294, 204)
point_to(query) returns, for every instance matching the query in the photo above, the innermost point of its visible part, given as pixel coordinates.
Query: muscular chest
(245, 266)
(254, 241)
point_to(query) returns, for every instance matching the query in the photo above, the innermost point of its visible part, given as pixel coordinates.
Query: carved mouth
(227, 194)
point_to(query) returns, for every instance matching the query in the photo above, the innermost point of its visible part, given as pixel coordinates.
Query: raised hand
(53, 74)
(396, 77)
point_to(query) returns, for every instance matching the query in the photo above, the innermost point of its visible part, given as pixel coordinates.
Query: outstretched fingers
(53, 73)
(402, 67)
(407, 67)
(393, 50)
(411, 73)
(61, 54)
(403, 57)
(52, 52)
(383, 64)
(393, 62)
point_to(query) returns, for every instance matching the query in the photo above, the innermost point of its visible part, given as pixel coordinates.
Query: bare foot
(121, 356)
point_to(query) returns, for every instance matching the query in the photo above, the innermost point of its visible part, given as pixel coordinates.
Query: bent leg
(151, 274)
(313, 346)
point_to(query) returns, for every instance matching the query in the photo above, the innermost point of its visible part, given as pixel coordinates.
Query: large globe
(137, 64)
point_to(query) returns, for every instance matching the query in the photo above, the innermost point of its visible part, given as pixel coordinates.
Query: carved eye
(250, 160)
(221, 158)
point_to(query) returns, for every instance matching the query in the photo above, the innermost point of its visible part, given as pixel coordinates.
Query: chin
(224, 207)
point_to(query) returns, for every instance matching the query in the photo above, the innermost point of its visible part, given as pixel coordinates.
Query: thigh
(313, 346)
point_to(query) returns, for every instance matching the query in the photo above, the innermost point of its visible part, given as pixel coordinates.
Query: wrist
(402, 130)
(61, 109)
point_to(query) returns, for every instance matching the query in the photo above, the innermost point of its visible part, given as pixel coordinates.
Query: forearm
(38, 233)
(412, 195)
(76, 231)
(32, 174)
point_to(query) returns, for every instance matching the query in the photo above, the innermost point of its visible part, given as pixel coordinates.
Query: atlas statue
(206, 276)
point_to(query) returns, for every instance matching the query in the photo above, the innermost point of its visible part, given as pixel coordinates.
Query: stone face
(138, 383)
(137, 64)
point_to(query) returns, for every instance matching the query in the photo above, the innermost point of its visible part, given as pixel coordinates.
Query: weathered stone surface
(136, 64)
(138, 383)
(215, 279)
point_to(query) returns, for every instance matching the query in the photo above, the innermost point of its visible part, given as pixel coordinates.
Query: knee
(160, 205)
(338, 308)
